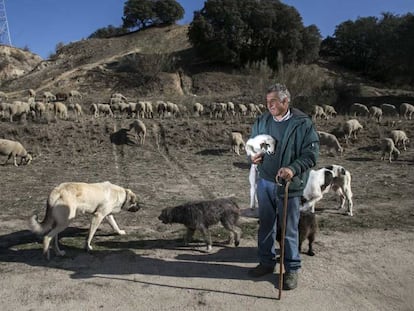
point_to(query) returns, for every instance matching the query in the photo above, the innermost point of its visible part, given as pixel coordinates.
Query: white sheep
(329, 111)
(149, 110)
(376, 113)
(399, 137)
(262, 143)
(19, 109)
(48, 97)
(61, 110)
(241, 110)
(198, 109)
(388, 147)
(74, 94)
(161, 108)
(406, 110)
(14, 148)
(352, 128)
(237, 142)
(358, 109)
(331, 141)
(77, 109)
(140, 130)
(389, 110)
(318, 112)
(119, 96)
(101, 108)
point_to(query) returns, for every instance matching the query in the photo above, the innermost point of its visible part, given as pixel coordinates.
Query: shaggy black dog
(201, 215)
(307, 230)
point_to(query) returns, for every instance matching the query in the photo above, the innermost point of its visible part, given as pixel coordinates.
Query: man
(297, 151)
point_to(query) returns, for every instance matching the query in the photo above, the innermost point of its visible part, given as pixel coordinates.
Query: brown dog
(201, 215)
(66, 200)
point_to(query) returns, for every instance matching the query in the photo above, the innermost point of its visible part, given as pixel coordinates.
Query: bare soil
(364, 262)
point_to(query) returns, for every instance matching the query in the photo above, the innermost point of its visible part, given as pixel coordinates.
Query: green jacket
(299, 148)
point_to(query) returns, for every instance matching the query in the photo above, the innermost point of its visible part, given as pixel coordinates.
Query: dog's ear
(131, 197)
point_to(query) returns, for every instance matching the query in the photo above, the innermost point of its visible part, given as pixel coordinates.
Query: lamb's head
(268, 145)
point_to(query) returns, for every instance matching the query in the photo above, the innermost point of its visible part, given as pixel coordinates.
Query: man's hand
(285, 173)
(258, 158)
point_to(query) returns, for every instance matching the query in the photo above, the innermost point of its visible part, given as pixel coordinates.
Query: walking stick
(283, 234)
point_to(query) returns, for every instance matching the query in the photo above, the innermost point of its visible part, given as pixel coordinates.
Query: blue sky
(41, 24)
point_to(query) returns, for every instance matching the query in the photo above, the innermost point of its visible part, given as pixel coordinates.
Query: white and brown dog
(262, 143)
(100, 199)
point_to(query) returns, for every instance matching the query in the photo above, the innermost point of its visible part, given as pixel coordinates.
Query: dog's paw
(121, 232)
(61, 253)
(209, 248)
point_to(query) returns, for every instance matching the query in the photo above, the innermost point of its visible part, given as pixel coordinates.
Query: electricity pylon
(4, 25)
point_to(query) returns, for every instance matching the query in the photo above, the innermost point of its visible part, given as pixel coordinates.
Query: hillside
(15, 62)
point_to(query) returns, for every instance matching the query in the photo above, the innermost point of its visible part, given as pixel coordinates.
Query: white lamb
(140, 130)
(406, 110)
(388, 147)
(320, 181)
(14, 149)
(359, 109)
(352, 128)
(376, 113)
(400, 138)
(237, 142)
(330, 140)
(259, 144)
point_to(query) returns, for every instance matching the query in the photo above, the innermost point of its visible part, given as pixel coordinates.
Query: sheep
(101, 108)
(320, 181)
(161, 108)
(173, 109)
(352, 128)
(329, 111)
(330, 141)
(140, 109)
(241, 110)
(40, 109)
(149, 110)
(140, 130)
(77, 109)
(406, 110)
(14, 148)
(119, 96)
(3, 96)
(388, 147)
(359, 109)
(48, 97)
(198, 109)
(399, 137)
(230, 109)
(375, 112)
(18, 108)
(389, 110)
(4, 107)
(31, 93)
(262, 143)
(237, 142)
(61, 110)
(74, 94)
(318, 112)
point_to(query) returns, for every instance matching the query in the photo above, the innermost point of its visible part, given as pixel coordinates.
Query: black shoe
(290, 280)
(260, 270)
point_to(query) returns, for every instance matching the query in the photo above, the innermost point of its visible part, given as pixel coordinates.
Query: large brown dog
(201, 215)
(100, 199)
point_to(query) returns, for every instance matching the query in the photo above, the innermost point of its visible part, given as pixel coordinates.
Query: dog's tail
(44, 226)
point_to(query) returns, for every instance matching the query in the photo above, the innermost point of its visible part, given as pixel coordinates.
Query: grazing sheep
(308, 227)
(329, 111)
(74, 94)
(358, 109)
(77, 109)
(230, 109)
(352, 128)
(40, 109)
(318, 112)
(161, 108)
(19, 109)
(203, 214)
(31, 93)
(101, 108)
(149, 110)
(320, 181)
(262, 143)
(389, 110)
(4, 107)
(61, 110)
(198, 109)
(237, 142)
(241, 110)
(330, 140)
(48, 97)
(140, 130)
(388, 147)
(400, 138)
(119, 96)
(13, 148)
(406, 110)
(376, 113)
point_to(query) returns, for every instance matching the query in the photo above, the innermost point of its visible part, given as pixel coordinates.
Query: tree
(108, 32)
(240, 32)
(141, 14)
(168, 11)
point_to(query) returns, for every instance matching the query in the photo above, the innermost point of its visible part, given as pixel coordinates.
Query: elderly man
(296, 153)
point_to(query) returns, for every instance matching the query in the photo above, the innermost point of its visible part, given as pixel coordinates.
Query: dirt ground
(364, 262)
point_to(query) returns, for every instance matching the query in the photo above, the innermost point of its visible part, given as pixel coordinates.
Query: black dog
(203, 214)
(307, 230)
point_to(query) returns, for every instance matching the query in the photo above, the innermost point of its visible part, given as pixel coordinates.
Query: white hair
(281, 91)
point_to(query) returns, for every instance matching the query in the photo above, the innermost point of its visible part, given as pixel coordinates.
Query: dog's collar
(125, 201)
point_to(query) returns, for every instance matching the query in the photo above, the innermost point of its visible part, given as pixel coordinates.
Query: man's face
(276, 107)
